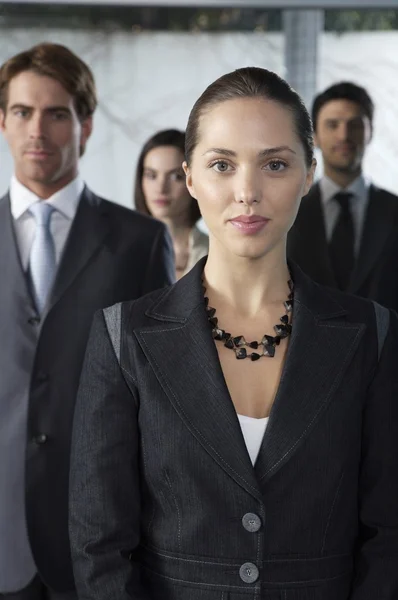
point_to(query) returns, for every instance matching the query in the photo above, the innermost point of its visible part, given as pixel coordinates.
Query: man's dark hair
(59, 63)
(344, 90)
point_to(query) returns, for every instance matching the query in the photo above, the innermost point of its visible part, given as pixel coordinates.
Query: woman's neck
(180, 230)
(247, 286)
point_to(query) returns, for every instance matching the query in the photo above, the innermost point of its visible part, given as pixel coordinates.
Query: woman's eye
(177, 177)
(276, 165)
(221, 166)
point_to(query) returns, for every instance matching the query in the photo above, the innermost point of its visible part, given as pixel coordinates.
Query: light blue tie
(42, 263)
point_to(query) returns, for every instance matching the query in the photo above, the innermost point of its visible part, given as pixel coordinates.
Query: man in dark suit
(346, 231)
(64, 253)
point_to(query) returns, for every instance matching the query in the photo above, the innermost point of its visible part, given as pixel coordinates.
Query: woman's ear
(188, 179)
(310, 177)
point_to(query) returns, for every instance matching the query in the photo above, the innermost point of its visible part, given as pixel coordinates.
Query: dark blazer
(164, 501)
(111, 254)
(375, 274)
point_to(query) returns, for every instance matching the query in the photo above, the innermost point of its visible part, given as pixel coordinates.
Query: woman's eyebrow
(262, 153)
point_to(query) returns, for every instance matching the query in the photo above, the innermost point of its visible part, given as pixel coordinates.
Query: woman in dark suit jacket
(236, 434)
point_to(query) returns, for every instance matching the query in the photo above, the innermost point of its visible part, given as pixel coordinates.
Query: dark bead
(218, 334)
(213, 321)
(253, 345)
(211, 312)
(283, 331)
(291, 285)
(255, 356)
(277, 340)
(227, 335)
(229, 343)
(239, 341)
(269, 351)
(267, 339)
(206, 301)
(288, 305)
(241, 353)
(285, 319)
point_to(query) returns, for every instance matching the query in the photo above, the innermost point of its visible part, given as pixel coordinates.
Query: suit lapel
(308, 244)
(185, 361)
(379, 223)
(320, 350)
(87, 234)
(10, 261)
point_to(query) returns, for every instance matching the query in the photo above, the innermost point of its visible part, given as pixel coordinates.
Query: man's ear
(368, 131)
(2, 120)
(188, 179)
(87, 128)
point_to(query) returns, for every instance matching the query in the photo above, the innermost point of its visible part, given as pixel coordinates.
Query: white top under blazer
(253, 431)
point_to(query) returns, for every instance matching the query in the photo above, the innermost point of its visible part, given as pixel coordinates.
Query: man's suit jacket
(375, 274)
(112, 254)
(165, 503)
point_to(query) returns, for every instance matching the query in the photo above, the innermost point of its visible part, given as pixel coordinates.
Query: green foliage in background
(361, 20)
(111, 17)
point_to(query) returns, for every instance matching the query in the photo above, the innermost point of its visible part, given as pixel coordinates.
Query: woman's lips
(249, 225)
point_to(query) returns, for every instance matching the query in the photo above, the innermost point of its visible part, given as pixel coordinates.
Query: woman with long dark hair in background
(161, 191)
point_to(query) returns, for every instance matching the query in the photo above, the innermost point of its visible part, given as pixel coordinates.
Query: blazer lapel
(379, 223)
(321, 348)
(186, 364)
(86, 237)
(307, 243)
(185, 361)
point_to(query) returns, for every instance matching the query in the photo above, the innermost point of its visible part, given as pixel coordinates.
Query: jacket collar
(182, 298)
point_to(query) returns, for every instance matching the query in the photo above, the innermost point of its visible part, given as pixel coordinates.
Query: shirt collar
(65, 200)
(358, 188)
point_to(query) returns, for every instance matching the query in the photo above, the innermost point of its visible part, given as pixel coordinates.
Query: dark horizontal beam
(279, 4)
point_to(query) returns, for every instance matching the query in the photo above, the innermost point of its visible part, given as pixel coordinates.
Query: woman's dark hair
(168, 137)
(251, 82)
(344, 91)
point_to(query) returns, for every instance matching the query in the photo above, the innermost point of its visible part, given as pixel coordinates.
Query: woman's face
(163, 184)
(248, 173)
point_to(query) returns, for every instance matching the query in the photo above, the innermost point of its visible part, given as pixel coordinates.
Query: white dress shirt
(358, 204)
(65, 202)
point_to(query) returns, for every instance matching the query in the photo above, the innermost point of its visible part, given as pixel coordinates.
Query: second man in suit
(64, 252)
(346, 232)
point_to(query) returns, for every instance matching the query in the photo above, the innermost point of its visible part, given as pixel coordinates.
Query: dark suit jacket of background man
(375, 274)
(112, 254)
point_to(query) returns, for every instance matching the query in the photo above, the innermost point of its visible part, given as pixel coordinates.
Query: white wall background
(149, 81)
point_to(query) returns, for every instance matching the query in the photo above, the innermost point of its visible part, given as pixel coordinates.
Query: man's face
(43, 131)
(342, 134)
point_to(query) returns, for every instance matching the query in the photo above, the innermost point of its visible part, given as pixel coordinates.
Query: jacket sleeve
(104, 501)
(376, 564)
(160, 271)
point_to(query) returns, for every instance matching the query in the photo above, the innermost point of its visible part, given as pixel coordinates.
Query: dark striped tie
(341, 246)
